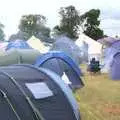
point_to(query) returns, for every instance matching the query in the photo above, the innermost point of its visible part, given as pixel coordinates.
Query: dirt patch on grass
(112, 109)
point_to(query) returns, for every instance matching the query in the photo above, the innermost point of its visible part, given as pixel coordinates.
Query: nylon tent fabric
(109, 52)
(94, 47)
(17, 56)
(107, 41)
(9, 58)
(67, 45)
(115, 67)
(28, 56)
(60, 106)
(36, 44)
(19, 44)
(61, 64)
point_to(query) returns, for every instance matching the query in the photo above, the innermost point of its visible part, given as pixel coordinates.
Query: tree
(19, 35)
(34, 25)
(56, 31)
(90, 24)
(69, 23)
(2, 35)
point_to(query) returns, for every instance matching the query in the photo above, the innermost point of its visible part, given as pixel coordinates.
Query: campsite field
(100, 98)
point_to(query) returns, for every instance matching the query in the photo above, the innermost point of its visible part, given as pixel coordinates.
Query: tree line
(71, 24)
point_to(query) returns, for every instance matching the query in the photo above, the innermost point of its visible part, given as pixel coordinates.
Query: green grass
(100, 98)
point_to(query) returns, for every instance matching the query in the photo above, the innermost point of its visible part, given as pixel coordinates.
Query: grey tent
(115, 67)
(30, 93)
(68, 46)
(63, 65)
(17, 56)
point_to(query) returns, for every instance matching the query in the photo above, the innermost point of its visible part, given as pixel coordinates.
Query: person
(94, 66)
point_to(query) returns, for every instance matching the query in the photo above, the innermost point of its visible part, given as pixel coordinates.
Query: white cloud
(111, 26)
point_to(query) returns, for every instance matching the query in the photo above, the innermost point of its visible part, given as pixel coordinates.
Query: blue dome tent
(31, 93)
(61, 64)
(19, 44)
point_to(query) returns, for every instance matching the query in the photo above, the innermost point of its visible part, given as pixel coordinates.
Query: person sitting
(94, 66)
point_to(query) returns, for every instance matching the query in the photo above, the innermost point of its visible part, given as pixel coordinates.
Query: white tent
(94, 48)
(35, 43)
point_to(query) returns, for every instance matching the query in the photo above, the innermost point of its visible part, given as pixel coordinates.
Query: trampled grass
(100, 98)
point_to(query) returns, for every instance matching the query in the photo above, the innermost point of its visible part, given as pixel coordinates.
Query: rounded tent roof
(115, 67)
(68, 46)
(52, 61)
(40, 91)
(111, 51)
(18, 44)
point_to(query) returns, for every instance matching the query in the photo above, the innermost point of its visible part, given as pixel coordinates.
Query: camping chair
(94, 67)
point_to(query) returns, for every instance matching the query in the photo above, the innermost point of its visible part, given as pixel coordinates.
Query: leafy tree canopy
(69, 23)
(90, 24)
(33, 25)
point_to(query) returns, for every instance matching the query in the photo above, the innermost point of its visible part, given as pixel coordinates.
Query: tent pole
(10, 104)
(35, 110)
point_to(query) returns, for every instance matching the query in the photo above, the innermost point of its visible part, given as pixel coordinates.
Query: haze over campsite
(60, 60)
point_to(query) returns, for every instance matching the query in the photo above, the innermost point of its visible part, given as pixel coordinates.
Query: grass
(100, 98)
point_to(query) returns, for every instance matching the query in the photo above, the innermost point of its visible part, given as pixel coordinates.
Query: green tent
(17, 56)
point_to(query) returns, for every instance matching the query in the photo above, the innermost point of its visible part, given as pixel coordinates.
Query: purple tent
(109, 52)
(115, 67)
(112, 60)
(108, 41)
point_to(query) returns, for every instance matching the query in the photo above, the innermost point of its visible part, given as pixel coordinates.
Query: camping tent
(107, 41)
(112, 48)
(63, 65)
(111, 54)
(17, 56)
(115, 67)
(110, 51)
(68, 46)
(3, 45)
(36, 44)
(18, 44)
(94, 48)
(29, 93)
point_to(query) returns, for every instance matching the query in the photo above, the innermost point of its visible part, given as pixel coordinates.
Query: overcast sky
(12, 10)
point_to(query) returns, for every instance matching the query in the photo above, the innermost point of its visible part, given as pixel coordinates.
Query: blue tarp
(19, 44)
(49, 60)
